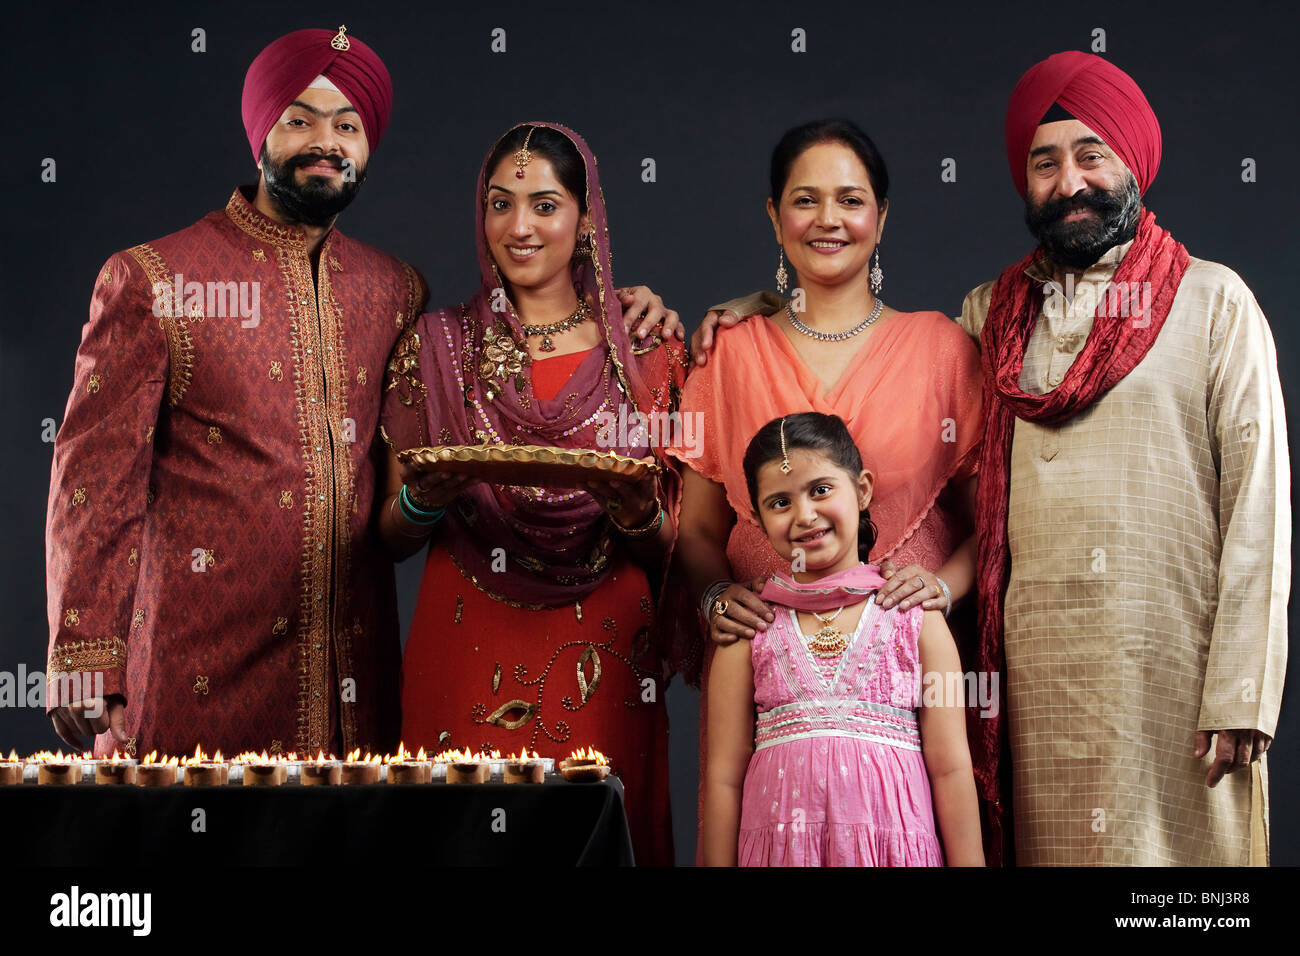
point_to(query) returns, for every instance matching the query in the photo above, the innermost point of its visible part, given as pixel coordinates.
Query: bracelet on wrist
(946, 594)
(421, 531)
(711, 595)
(650, 527)
(415, 513)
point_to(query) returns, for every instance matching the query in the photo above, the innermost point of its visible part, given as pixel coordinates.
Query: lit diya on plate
(358, 770)
(154, 771)
(11, 769)
(584, 766)
(403, 767)
(321, 772)
(204, 771)
(117, 770)
(261, 770)
(532, 466)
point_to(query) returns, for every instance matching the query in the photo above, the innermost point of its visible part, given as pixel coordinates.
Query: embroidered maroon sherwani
(210, 553)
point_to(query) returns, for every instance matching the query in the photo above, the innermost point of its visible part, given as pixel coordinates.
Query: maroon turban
(288, 65)
(1096, 93)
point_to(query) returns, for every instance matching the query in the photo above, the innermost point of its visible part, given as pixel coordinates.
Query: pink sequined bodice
(867, 692)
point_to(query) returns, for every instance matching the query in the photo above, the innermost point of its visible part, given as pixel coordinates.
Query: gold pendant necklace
(555, 328)
(830, 640)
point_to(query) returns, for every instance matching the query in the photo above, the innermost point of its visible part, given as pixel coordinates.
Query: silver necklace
(834, 336)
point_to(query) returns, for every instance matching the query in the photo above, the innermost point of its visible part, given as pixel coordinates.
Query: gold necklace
(830, 640)
(555, 328)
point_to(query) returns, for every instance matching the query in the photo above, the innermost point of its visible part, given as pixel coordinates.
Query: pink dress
(837, 777)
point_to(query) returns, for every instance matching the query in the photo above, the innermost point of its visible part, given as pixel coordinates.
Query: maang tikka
(785, 458)
(522, 156)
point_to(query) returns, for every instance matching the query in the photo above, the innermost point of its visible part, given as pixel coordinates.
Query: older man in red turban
(1133, 511)
(212, 575)
(1134, 516)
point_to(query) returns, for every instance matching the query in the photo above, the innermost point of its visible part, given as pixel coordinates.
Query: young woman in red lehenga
(535, 624)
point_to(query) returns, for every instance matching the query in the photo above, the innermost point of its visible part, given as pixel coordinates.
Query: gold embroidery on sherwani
(201, 684)
(281, 626)
(180, 347)
(286, 499)
(259, 255)
(335, 360)
(92, 384)
(71, 617)
(313, 619)
(78, 496)
(214, 435)
(104, 653)
(276, 372)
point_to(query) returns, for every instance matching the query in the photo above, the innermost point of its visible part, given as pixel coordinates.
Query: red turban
(1096, 93)
(288, 65)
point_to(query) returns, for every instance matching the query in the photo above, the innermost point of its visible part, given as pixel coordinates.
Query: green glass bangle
(414, 513)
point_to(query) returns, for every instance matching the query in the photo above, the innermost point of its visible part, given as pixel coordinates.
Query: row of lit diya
(273, 770)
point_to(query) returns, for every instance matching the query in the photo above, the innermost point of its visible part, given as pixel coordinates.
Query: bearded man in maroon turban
(1133, 510)
(212, 579)
(213, 575)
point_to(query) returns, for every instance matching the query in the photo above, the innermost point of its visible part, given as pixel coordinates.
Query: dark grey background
(148, 139)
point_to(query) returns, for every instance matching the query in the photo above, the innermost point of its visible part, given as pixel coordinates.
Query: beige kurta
(1150, 569)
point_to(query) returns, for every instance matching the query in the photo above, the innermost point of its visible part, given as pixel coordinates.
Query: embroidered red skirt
(483, 674)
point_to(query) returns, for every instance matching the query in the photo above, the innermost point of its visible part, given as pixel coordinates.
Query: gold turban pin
(340, 42)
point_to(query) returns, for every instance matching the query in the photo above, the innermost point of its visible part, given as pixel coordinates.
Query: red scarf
(1117, 343)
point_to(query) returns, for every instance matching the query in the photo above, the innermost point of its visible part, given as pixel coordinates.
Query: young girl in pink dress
(859, 744)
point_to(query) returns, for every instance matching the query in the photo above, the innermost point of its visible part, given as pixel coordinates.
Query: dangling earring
(877, 275)
(782, 277)
(585, 248)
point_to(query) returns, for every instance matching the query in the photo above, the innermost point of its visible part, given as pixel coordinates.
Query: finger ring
(920, 580)
(720, 607)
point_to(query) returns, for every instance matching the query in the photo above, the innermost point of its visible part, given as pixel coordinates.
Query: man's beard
(1081, 243)
(312, 203)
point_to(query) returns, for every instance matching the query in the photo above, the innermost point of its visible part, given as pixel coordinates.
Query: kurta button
(319, 595)
(313, 399)
(302, 301)
(318, 447)
(309, 351)
(321, 497)
(320, 547)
